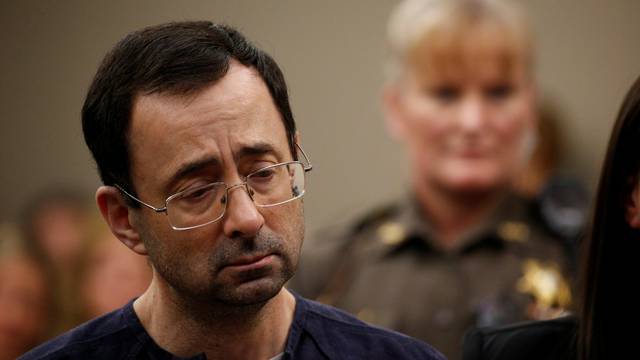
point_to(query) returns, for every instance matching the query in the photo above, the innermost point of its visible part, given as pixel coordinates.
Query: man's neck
(451, 215)
(253, 332)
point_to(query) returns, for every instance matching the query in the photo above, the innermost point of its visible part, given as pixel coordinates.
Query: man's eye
(499, 92)
(264, 174)
(197, 194)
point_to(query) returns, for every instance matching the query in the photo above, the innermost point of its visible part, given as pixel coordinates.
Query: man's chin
(254, 292)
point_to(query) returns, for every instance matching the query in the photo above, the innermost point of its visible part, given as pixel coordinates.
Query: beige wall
(331, 53)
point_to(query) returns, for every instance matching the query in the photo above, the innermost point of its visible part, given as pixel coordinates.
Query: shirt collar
(299, 325)
(146, 344)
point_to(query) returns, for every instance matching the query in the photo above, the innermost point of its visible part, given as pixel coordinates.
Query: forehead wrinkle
(200, 117)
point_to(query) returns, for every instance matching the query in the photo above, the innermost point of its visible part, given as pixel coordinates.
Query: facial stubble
(205, 280)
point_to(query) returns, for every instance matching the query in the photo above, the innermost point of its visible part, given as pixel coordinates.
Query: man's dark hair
(179, 58)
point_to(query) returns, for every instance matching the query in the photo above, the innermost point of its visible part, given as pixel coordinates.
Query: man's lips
(247, 263)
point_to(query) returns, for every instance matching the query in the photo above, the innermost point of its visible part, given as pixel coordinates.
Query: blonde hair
(417, 25)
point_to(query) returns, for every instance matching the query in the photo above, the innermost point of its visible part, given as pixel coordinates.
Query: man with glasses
(196, 145)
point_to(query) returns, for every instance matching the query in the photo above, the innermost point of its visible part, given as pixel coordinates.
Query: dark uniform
(388, 270)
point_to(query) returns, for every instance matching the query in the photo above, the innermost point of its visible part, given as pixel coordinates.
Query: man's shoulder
(101, 338)
(347, 333)
(550, 339)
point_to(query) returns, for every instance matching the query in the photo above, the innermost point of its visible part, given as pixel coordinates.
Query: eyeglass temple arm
(307, 166)
(158, 210)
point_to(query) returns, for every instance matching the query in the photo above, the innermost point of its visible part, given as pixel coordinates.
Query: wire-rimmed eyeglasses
(272, 185)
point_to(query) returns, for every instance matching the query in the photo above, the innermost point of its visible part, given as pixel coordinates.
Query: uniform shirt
(388, 270)
(317, 332)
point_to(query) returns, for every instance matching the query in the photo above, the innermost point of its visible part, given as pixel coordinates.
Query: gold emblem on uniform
(549, 290)
(391, 233)
(515, 231)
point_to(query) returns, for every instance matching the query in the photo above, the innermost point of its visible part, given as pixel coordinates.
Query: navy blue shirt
(317, 332)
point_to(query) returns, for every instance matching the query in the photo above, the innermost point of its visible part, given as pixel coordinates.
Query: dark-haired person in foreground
(196, 145)
(606, 326)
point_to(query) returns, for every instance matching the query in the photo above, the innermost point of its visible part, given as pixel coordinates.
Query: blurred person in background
(462, 248)
(608, 312)
(54, 223)
(55, 227)
(112, 274)
(24, 296)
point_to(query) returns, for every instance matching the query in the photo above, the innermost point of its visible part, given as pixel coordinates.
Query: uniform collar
(507, 224)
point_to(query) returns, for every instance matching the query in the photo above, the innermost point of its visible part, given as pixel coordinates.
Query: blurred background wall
(332, 54)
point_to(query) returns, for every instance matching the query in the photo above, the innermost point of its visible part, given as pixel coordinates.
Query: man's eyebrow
(192, 167)
(187, 169)
(260, 148)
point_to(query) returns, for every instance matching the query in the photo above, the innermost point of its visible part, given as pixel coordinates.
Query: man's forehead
(238, 84)
(235, 113)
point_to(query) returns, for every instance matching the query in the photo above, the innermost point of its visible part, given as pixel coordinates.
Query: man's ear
(632, 207)
(116, 213)
(392, 108)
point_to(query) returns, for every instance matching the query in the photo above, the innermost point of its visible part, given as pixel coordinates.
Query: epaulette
(375, 216)
(562, 207)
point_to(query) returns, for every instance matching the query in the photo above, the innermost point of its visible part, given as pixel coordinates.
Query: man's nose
(242, 218)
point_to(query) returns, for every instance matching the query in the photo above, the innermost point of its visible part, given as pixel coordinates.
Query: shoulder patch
(375, 216)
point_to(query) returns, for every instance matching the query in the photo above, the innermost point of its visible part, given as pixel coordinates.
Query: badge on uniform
(548, 289)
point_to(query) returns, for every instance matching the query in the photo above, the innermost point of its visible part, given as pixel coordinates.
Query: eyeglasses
(202, 205)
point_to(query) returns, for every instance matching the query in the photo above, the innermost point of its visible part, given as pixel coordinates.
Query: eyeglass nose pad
(248, 189)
